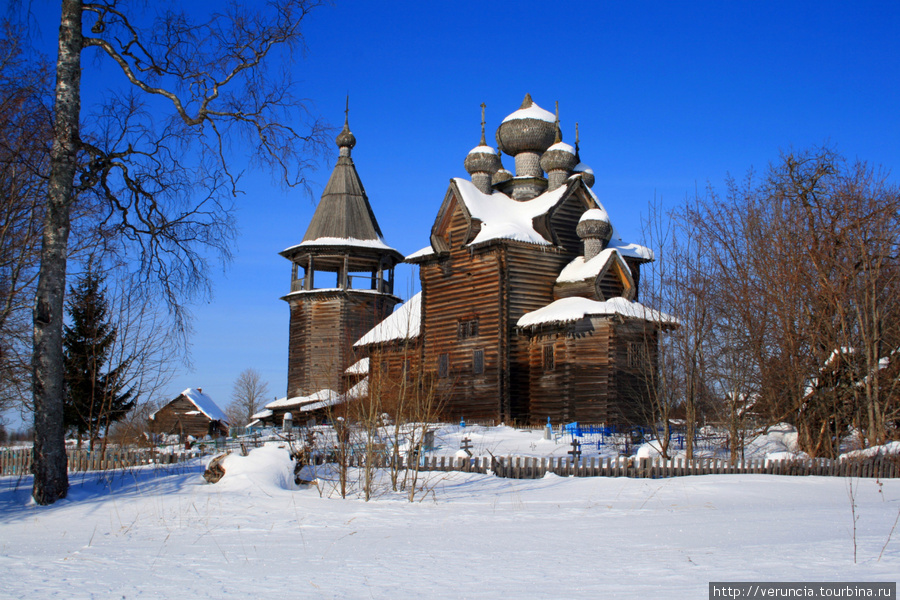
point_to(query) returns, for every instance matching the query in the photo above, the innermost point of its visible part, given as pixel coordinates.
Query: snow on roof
(504, 218)
(263, 414)
(402, 324)
(631, 250)
(483, 150)
(426, 251)
(579, 269)
(532, 112)
(562, 146)
(576, 308)
(595, 214)
(205, 404)
(360, 367)
(582, 168)
(325, 395)
(333, 241)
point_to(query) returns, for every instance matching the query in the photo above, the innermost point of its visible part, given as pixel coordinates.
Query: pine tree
(94, 395)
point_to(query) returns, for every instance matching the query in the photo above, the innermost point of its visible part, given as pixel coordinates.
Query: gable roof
(595, 268)
(497, 216)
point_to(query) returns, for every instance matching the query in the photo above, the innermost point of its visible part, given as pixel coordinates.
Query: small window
(444, 365)
(549, 358)
(636, 355)
(466, 329)
(478, 362)
(407, 369)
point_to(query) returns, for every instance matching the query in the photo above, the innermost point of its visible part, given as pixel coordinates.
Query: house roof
(571, 309)
(402, 324)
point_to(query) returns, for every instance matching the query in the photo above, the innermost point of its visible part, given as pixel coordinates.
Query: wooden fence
(526, 467)
(18, 461)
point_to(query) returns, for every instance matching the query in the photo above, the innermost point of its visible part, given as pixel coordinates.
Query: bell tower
(342, 280)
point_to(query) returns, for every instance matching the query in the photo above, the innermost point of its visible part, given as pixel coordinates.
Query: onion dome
(559, 156)
(345, 138)
(587, 173)
(482, 159)
(595, 230)
(529, 129)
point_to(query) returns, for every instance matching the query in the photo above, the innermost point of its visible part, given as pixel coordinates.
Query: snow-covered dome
(482, 159)
(594, 225)
(587, 173)
(559, 156)
(529, 129)
(502, 174)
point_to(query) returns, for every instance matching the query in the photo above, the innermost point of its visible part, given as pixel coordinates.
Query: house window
(549, 358)
(444, 365)
(466, 329)
(478, 362)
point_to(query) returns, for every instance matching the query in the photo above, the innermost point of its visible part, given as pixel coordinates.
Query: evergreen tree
(94, 395)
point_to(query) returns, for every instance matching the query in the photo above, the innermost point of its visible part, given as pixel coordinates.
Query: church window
(466, 328)
(478, 361)
(549, 358)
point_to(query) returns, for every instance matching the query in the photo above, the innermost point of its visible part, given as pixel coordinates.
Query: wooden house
(192, 413)
(528, 305)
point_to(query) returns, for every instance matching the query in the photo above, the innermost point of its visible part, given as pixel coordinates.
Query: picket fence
(18, 461)
(527, 467)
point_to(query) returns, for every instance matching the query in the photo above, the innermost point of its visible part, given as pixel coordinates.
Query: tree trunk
(51, 481)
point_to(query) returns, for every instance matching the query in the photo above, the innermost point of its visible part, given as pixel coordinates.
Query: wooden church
(528, 305)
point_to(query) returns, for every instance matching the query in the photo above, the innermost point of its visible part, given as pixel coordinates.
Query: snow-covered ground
(166, 533)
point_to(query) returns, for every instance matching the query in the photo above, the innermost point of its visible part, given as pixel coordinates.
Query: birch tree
(156, 159)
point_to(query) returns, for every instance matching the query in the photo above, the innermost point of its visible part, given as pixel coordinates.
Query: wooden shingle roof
(344, 211)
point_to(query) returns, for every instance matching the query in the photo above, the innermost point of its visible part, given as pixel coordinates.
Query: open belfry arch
(342, 280)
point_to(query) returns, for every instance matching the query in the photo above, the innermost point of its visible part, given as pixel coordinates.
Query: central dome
(529, 129)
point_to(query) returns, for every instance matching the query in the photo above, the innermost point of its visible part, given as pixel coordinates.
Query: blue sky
(668, 96)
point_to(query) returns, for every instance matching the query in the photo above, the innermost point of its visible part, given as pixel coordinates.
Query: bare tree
(25, 136)
(247, 396)
(163, 181)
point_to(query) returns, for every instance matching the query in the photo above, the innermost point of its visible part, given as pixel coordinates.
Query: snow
(630, 249)
(582, 168)
(426, 251)
(325, 395)
(532, 112)
(580, 269)
(162, 532)
(562, 146)
(332, 241)
(483, 150)
(360, 367)
(205, 404)
(504, 218)
(566, 310)
(402, 324)
(595, 214)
